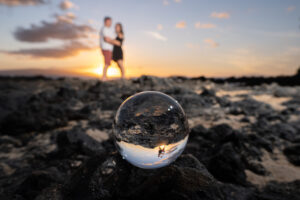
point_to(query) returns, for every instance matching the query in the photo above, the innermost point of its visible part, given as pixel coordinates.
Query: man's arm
(107, 39)
(110, 40)
(113, 42)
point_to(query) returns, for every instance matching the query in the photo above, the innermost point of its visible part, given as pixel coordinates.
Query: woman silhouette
(117, 50)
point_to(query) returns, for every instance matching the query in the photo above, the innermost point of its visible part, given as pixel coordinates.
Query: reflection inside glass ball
(150, 130)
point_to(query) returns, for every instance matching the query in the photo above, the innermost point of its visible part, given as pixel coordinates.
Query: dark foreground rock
(114, 178)
(293, 153)
(56, 141)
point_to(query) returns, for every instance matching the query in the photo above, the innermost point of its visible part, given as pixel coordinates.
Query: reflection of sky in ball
(150, 129)
(149, 158)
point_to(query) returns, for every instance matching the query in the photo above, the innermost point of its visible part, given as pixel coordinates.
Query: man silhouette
(106, 37)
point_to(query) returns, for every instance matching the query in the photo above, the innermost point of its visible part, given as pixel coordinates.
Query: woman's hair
(121, 27)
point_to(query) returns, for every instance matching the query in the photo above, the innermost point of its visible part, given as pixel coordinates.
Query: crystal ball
(150, 130)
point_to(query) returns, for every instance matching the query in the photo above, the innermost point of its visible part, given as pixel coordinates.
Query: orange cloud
(291, 8)
(199, 25)
(69, 17)
(63, 28)
(211, 43)
(70, 49)
(181, 24)
(220, 15)
(21, 2)
(65, 5)
(160, 27)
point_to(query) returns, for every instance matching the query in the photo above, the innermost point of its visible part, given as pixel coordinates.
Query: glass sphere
(150, 130)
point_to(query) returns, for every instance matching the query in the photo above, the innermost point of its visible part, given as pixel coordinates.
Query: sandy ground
(280, 169)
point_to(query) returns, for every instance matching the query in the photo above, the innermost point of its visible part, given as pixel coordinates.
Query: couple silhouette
(111, 46)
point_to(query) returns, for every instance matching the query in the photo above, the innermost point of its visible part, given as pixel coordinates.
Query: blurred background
(162, 37)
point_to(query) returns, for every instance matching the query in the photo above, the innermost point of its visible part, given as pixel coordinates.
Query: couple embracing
(111, 45)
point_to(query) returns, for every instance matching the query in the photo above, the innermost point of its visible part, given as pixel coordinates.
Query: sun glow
(97, 70)
(112, 72)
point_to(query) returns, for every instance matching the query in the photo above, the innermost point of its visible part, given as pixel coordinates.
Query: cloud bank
(291, 8)
(156, 35)
(211, 43)
(160, 27)
(180, 24)
(21, 2)
(199, 25)
(166, 2)
(70, 49)
(62, 28)
(220, 15)
(65, 5)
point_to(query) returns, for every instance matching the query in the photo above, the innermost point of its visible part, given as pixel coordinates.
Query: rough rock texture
(56, 141)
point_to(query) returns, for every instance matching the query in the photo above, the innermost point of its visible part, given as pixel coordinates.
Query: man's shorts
(107, 56)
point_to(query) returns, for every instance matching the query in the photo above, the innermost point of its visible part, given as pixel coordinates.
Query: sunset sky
(162, 37)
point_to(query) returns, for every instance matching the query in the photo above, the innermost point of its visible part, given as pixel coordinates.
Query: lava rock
(279, 191)
(249, 106)
(186, 178)
(35, 183)
(227, 166)
(285, 131)
(207, 92)
(198, 130)
(292, 152)
(55, 140)
(78, 140)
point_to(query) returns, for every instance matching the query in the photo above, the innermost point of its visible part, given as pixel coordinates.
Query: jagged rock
(184, 178)
(227, 166)
(278, 191)
(293, 153)
(55, 140)
(85, 141)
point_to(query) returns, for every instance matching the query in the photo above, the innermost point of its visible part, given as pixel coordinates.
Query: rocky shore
(56, 141)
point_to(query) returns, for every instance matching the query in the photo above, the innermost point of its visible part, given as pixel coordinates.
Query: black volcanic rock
(34, 118)
(220, 132)
(278, 191)
(56, 140)
(115, 178)
(293, 153)
(250, 106)
(198, 130)
(207, 92)
(77, 140)
(36, 182)
(298, 73)
(227, 165)
(285, 131)
(67, 92)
